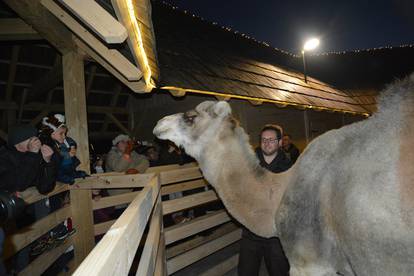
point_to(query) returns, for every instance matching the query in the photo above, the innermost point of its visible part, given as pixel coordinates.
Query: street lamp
(309, 45)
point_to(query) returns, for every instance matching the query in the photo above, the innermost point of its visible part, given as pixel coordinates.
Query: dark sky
(340, 25)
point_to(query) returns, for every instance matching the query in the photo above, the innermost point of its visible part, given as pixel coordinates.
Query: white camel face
(194, 128)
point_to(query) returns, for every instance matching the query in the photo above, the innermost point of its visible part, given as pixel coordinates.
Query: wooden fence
(161, 251)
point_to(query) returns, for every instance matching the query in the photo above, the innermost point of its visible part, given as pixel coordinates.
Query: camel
(347, 205)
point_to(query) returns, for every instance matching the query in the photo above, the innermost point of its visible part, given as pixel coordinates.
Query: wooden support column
(75, 111)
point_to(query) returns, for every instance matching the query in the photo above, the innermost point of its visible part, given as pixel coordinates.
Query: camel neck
(250, 193)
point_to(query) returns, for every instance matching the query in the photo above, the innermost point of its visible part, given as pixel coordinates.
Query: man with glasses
(253, 247)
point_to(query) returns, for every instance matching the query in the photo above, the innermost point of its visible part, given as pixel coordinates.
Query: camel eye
(189, 117)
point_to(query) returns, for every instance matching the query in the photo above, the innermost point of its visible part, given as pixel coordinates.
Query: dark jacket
(280, 164)
(19, 170)
(292, 153)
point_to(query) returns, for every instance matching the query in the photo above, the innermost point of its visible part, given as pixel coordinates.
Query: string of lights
(265, 44)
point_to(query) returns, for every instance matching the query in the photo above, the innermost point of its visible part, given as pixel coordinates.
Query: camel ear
(222, 109)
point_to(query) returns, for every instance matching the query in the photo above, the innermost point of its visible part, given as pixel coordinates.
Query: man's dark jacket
(19, 170)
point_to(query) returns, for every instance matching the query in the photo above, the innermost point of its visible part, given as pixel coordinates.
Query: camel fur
(347, 205)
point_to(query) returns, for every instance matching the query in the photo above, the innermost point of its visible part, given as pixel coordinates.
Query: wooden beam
(76, 119)
(114, 101)
(182, 174)
(118, 123)
(196, 241)
(223, 267)
(183, 186)
(91, 77)
(183, 260)
(48, 26)
(61, 108)
(147, 261)
(184, 230)
(40, 264)
(114, 254)
(125, 11)
(29, 234)
(109, 201)
(16, 29)
(100, 21)
(22, 102)
(112, 56)
(48, 82)
(11, 114)
(186, 202)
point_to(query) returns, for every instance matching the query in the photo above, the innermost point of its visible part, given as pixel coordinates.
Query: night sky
(340, 25)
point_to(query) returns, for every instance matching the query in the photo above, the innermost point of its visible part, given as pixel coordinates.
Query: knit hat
(20, 133)
(52, 123)
(119, 138)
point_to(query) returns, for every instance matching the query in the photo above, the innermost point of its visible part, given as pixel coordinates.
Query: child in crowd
(53, 133)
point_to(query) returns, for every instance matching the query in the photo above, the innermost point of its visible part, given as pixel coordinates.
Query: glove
(132, 171)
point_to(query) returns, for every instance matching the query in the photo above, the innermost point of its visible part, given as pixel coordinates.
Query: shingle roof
(197, 56)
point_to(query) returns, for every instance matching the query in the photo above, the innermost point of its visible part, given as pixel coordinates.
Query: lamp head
(311, 44)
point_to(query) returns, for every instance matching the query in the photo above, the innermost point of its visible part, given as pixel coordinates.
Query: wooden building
(119, 69)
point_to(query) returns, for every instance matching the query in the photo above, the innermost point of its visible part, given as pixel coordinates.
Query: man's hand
(47, 153)
(72, 151)
(34, 145)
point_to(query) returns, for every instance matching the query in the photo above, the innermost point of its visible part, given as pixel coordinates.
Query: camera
(11, 206)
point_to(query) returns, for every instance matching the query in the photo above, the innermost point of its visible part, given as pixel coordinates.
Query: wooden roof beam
(48, 82)
(114, 101)
(60, 108)
(100, 21)
(16, 29)
(41, 20)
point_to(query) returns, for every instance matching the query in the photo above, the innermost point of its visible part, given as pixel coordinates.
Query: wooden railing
(164, 251)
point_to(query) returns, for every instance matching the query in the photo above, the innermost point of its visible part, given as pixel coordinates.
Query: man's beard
(269, 153)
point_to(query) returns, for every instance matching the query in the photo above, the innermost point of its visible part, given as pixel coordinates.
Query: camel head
(196, 128)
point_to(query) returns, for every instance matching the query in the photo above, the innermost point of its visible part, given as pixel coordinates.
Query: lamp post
(309, 45)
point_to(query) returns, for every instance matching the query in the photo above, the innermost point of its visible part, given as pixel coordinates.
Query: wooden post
(75, 112)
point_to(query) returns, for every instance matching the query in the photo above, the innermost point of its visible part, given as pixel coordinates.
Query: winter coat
(116, 162)
(19, 170)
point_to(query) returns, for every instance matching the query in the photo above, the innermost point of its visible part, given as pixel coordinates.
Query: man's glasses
(269, 140)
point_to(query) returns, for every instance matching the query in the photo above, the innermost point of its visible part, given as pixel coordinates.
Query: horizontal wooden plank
(196, 241)
(175, 205)
(112, 56)
(16, 29)
(114, 181)
(31, 195)
(109, 201)
(164, 168)
(183, 260)
(114, 254)
(41, 263)
(147, 262)
(173, 176)
(183, 230)
(184, 186)
(223, 267)
(100, 21)
(103, 227)
(29, 234)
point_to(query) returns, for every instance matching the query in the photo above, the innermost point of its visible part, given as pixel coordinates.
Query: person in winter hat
(53, 131)
(25, 162)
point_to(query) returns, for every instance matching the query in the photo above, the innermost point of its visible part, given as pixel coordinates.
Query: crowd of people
(42, 156)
